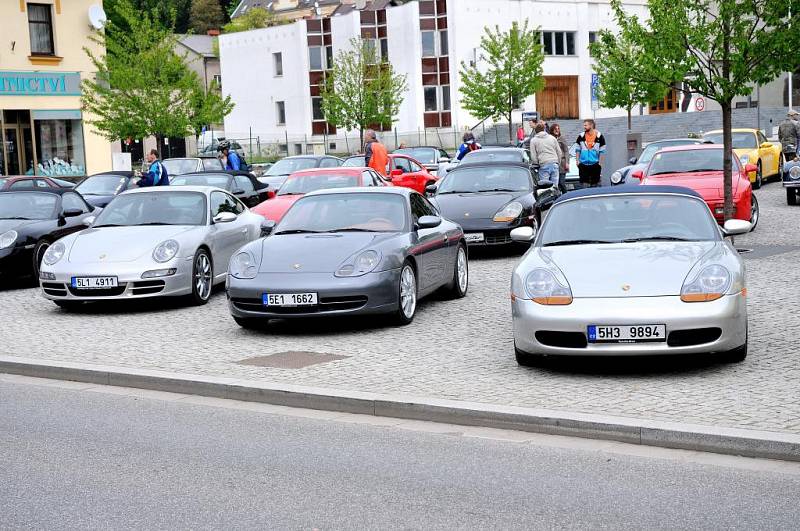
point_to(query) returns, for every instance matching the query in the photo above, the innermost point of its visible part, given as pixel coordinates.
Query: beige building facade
(42, 63)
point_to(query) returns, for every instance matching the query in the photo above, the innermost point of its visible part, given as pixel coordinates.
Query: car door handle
(444, 238)
(244, 230)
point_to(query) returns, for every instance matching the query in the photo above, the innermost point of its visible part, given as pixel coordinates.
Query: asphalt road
(71, 459)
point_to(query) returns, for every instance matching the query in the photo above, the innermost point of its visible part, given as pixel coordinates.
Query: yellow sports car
(752, 147)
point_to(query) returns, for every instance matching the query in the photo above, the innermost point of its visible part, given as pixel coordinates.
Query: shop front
(43, 128)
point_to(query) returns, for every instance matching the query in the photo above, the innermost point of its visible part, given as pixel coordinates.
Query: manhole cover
(291, 360)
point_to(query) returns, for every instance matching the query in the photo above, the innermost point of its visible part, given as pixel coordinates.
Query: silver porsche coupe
(630, 271)
(349, 251)
(150, 242)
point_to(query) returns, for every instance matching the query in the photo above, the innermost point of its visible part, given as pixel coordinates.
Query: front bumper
(373, 293)
(562, 330)
(131, 285)
(494, 233)
(16, 262)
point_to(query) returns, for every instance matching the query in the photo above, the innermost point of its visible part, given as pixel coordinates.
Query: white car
(150, 242)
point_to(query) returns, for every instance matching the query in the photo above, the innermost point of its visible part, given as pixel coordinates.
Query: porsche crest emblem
(102, 257)
(626, 287)
(296, 266)
(466, 214)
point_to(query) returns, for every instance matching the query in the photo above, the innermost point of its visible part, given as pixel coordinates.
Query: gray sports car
(349, 251)
(630, 271)
(150, 242)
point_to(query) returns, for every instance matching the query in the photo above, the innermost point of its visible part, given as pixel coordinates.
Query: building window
(59, 143)
(428, 44)
(218, 80)
(40, 26)
(558, 42)
(280, 112)
(385, 49)
(315, 58)
(443, 48)
(316, 108)
(592, 36)
(329, 57)
(277, 60)
(430, 98)
(445, 98)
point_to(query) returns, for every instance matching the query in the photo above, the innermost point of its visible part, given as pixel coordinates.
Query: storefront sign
(40, 84)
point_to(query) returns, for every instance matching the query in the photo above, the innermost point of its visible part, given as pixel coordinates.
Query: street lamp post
(791, 72)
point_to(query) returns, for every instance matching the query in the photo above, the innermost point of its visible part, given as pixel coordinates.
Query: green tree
(617, 63)
(206, 15)
(142, 87)
(361, 90)
(514, 71)
(719, 48)
(175, 13)
(253, 18)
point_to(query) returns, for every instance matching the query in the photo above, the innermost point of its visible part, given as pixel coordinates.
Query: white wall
(405, 54)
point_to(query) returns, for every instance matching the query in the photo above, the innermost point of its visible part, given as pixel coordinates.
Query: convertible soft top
(628, 189)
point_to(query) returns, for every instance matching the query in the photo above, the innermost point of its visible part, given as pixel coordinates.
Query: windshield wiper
(150, 223)
(108, 225)
(500, 190)
(298, 231)
(17, 217)
(456, 192)
(352, 229)
(575, 242)
(656, 239)
(700, 169)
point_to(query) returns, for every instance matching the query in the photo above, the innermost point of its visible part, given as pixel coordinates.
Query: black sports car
(31, 220)
(489, 200)
(101, 188)
(242, 184)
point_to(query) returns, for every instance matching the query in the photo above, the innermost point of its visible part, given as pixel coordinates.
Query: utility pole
(791, 72)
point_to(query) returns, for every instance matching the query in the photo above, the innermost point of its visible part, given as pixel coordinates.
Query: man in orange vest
(375, 153)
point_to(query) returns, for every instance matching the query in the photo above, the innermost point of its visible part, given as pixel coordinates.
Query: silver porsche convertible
(150, 242)
(630, 271)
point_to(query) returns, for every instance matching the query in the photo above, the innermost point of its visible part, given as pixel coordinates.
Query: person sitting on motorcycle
(789, 134)
(229, 158)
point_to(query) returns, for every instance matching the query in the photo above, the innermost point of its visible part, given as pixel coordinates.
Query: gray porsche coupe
(349, 251)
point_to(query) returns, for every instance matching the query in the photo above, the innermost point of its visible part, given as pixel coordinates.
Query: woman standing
(563, 166)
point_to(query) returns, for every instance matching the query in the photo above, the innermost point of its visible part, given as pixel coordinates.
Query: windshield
(2, 182)
(424, 155)
(102, 185)
(180, 166)
(689, 161)
(302, 184)
(493, 156)
(289, 166)
(628, 218)
(159, 208)
(220, 181)
(368, 212)
(486, 179)
(651, 149)
(28, 205)
(357, 161)
(741, 139)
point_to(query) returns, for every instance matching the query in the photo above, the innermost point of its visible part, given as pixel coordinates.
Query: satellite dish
(97, 17)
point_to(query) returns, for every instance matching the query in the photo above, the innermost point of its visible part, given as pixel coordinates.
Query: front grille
(104, 292)
(147, 287)
(694, 336)
(553, 338)
(326, 304)
(55, 290)
(498, 238)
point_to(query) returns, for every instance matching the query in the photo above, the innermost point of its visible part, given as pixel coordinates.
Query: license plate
(473, 237)
(94, 282)
(289, 299)
(627, 333)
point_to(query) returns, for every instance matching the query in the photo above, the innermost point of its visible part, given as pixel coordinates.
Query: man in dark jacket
(789, 131)
(156, 174)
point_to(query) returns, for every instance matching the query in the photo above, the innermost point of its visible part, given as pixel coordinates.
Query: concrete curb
(733, 441)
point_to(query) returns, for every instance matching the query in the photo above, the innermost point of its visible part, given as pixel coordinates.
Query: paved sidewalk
(458, 350)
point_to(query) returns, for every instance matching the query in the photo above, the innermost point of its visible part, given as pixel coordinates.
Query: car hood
(90, 244)
(474, 205)
(20, 225)
(708, 184)
(648, 269)
(276, 207)
(315, 253)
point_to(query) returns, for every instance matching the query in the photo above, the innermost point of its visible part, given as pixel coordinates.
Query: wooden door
(559, 98)
(666, 105)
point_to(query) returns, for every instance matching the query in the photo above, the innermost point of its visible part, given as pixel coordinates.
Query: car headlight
(510, 212)
(54, 253)
(543, 287)
(243, 265)
(364, 263)
(7, 239)
(616, 177)
(745, 159)
(709, 285)
(794, 172)
(165, 251)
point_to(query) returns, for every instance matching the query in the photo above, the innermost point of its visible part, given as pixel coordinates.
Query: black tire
(791, 196)
(759, 177)
(249, 323)
(200, 274)
(736, 355)
(755, 212)
(38, 254)
(404, 316)
(458, 289)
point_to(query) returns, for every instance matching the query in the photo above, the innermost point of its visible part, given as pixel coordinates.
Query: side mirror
(750, 168)
(89, 220)
(766, 145)
(429, 222)
(431, 189)
(544, 185)
(225, 217)
(267, 227)
(271, 194)
(733, 227)
(72, 212)
(523, 234)
(444, 160)
(637, 174)
(397, 172)
(632, 160)
(238, 191)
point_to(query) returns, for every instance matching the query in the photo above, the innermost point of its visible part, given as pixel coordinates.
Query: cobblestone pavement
(458, 350)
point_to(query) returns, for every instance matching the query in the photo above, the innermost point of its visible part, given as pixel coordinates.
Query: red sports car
(699, 167)
(302, 182)
(29, 182)
(404, 171)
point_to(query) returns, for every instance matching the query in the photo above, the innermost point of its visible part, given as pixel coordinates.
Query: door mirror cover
(544, 185)
(397, 172)
(238, 191)
(750, 168)
(429, 222)
(89, 220)
(766, 145)
(73, 212)
(523, 234)
(225, 217)
(431, 189)
(267, 226)
(632, 160)
(733, 227)
(637, 174)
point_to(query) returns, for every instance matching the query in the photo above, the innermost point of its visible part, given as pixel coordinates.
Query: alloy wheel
(408, 292)
(754, 212)
(202, 276)
(463, 273)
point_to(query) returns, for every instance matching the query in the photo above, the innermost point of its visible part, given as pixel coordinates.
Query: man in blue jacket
(156, 174)
(231, 158)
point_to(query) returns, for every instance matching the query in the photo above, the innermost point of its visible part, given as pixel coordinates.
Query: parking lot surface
(460, 350)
